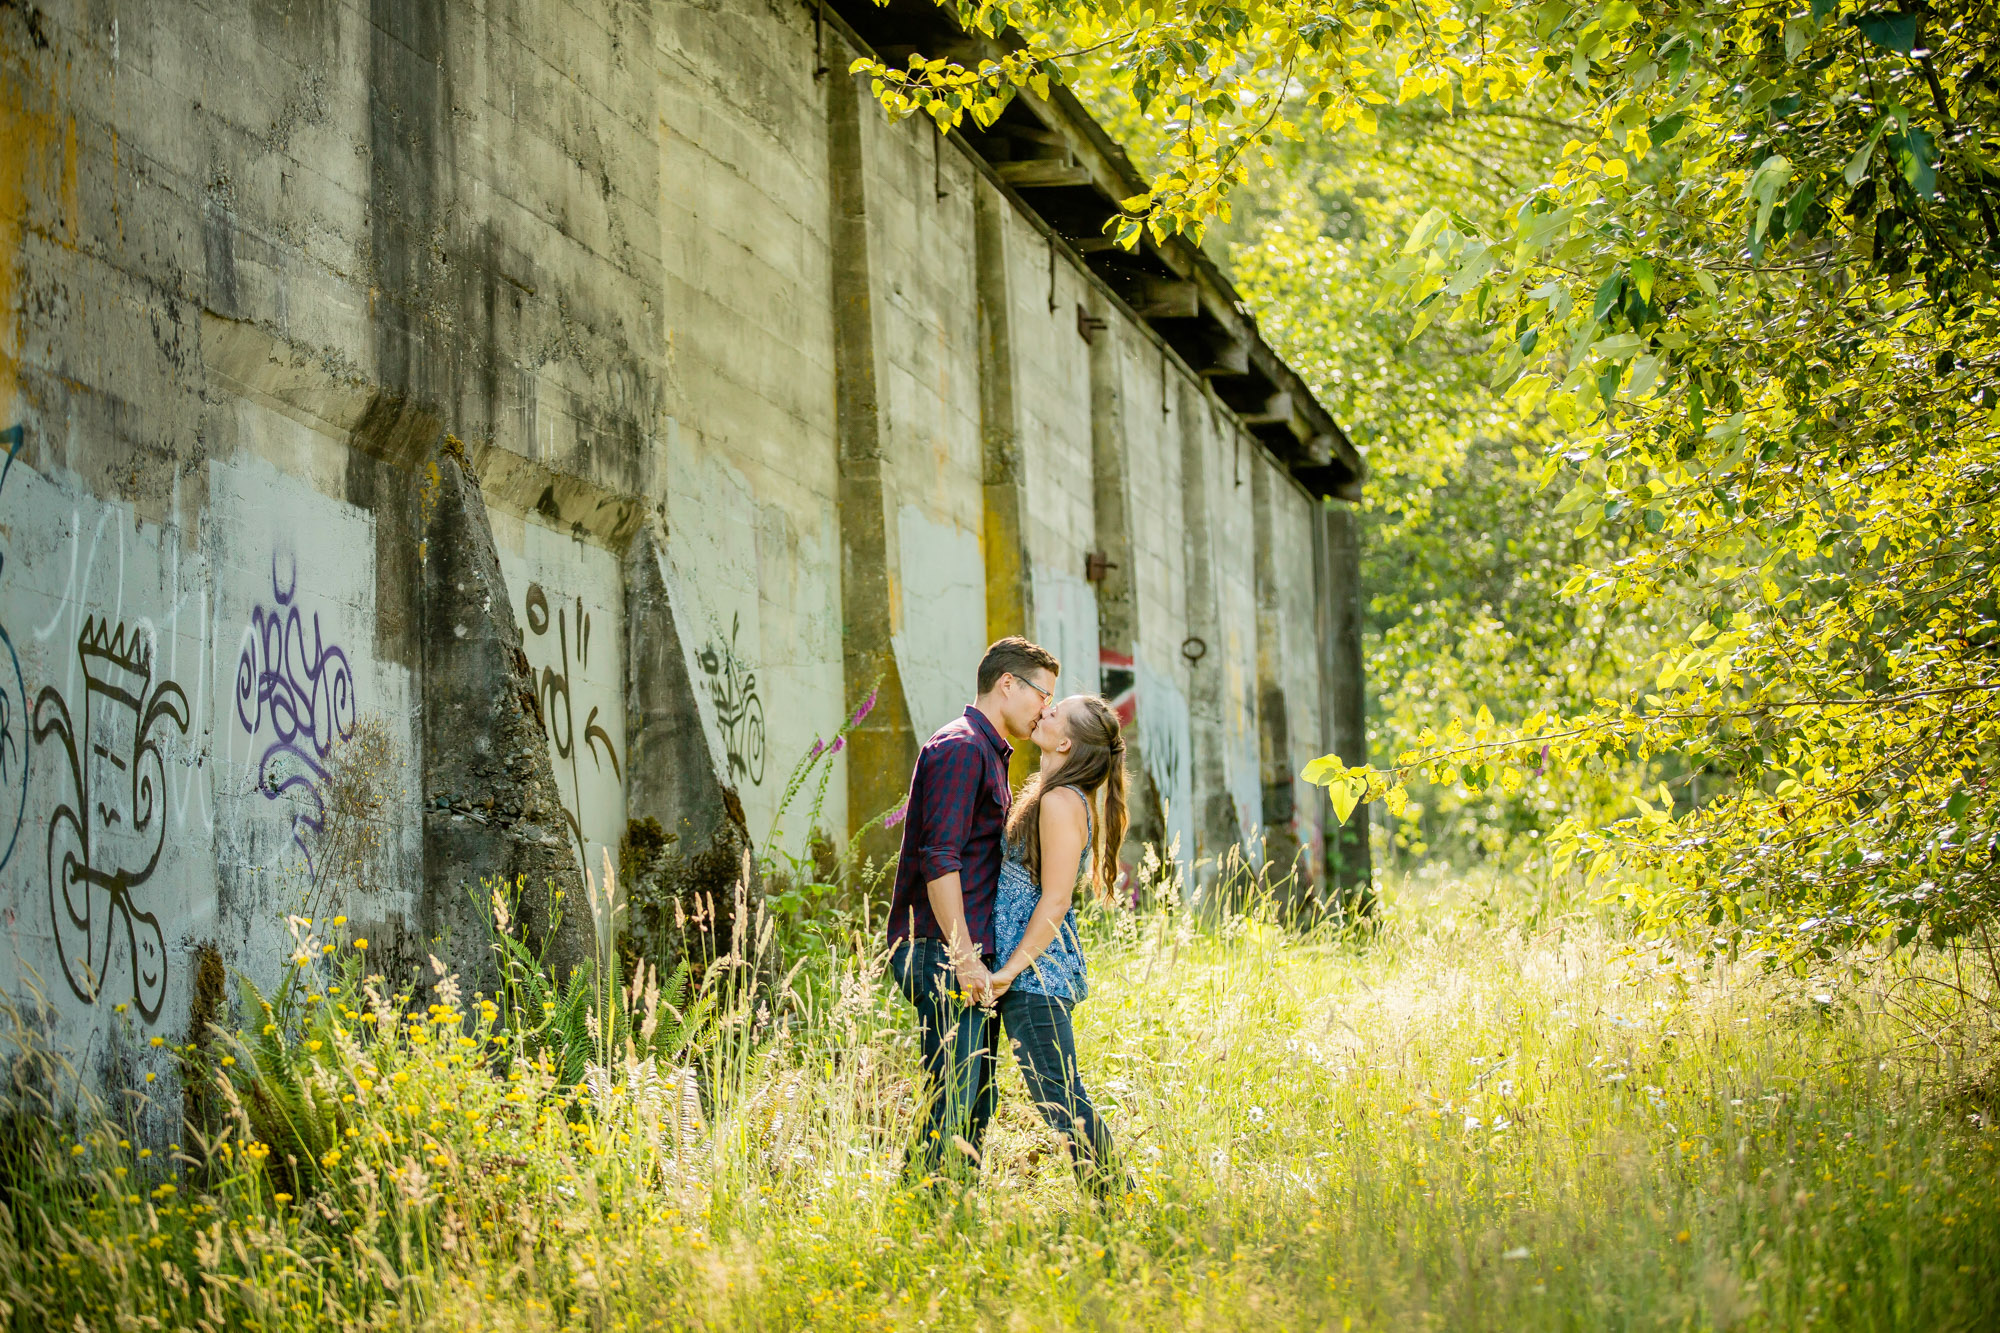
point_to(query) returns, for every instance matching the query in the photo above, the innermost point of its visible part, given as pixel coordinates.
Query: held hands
(979, 986)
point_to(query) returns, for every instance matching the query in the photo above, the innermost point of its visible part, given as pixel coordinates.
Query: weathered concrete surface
(753, 472)
(492, 812)
(684, 856)
(705, 322)
(1289, 708)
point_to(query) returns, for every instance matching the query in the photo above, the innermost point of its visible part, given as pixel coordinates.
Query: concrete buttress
(491, 808)
(883, 749)
(1010, 592)
(1347, 845)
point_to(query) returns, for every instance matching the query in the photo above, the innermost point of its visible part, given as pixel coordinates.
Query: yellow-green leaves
(1771, 176)
(1618, 15)
(1724, 281)
(1345, 786)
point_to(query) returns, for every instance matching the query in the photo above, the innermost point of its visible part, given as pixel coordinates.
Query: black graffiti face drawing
(105, 841)
(738, 711)
(302, 689)
(558, 704)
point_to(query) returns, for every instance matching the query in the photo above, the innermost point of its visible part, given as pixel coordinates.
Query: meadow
(1495, 1108)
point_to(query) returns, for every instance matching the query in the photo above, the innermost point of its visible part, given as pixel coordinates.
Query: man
(941, 922)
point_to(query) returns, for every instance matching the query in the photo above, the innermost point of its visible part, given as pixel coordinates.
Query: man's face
(1023, 698)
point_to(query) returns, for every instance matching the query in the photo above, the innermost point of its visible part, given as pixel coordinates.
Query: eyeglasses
(1046, 694)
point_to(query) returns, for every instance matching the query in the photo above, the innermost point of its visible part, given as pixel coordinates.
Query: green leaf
(1892, 31)
(1426, 228)
(1607, 295)
(1916, 153)
(1857, 166)
(1583, 493)
(1770, 177)
(1618, 15)
(1642, 275)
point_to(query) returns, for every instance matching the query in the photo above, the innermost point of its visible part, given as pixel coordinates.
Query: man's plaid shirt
(955, 820)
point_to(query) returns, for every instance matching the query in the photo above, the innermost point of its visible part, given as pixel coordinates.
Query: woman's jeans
(960, 1047)
(1038, 1028)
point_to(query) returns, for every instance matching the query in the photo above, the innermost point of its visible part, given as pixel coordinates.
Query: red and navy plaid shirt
(956, 819)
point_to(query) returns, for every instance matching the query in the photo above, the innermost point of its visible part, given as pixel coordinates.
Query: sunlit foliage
(1754, 292)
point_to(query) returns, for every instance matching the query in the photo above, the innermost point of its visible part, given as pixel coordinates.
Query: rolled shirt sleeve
(953, 779)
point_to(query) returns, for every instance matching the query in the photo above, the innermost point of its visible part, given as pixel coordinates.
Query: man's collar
(984, 726)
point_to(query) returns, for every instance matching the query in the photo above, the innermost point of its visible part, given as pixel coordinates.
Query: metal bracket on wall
(1194, 648)
(1052, 272)
(1088, 326)
(819, 43)
(1097, 564)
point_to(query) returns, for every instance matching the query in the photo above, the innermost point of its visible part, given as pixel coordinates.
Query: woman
(1049, 840)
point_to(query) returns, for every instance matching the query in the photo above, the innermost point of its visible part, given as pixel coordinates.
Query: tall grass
(1493, 1110)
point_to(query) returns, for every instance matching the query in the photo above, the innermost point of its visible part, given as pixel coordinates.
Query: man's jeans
(960, 1046)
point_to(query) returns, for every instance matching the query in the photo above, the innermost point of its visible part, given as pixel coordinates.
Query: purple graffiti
(303, 689)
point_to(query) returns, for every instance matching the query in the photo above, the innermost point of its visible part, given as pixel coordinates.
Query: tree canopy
(1743, 314)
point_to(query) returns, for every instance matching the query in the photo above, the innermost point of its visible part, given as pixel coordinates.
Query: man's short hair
(1016, 656)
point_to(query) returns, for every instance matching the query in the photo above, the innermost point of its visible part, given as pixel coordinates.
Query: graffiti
(558, 704)
(1117, 682)
(13, 706)
(305, 690)
(738, 710)
(106, 841)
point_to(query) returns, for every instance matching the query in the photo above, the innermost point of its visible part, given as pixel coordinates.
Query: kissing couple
(982, 931)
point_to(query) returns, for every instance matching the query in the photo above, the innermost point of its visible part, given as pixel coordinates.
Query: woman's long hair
(1096, 759)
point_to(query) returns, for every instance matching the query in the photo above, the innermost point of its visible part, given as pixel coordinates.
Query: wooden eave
(1068, 175)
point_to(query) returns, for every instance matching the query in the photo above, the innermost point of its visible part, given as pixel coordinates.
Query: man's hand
(974, 981)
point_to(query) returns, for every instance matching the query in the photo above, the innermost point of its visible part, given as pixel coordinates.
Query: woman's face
(1051, 733)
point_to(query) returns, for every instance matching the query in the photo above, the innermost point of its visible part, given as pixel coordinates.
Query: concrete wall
(444, 432)
(1156, 415)
(752, 483)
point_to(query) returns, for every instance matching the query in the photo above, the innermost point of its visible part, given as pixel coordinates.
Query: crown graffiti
(99, 641)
